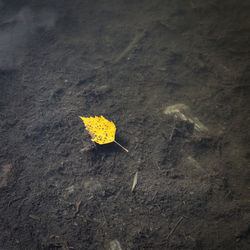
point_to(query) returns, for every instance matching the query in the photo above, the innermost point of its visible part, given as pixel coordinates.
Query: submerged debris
(182, 112)
(88, 147)
(115, 245)
(34, 217)
(134, 181)
(4, 170)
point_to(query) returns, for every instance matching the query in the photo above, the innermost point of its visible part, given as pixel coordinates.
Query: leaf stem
(121, 146)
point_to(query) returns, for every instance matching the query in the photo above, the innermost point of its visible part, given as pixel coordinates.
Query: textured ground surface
(130, 61)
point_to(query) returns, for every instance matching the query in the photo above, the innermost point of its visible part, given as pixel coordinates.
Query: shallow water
(173, 77)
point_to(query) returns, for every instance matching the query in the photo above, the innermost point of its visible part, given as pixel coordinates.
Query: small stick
(120, 145)
(174, 228)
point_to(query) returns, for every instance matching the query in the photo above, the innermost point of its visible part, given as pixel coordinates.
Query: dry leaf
(101, 130)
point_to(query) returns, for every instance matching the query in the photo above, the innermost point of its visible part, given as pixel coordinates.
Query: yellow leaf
(101, 130)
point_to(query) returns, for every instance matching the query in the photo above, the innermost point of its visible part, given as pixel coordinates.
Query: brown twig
(174, 228)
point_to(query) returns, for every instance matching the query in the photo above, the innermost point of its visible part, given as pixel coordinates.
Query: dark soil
(127, 60)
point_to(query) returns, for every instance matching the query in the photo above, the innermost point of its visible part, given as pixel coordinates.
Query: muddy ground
(173, 75)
